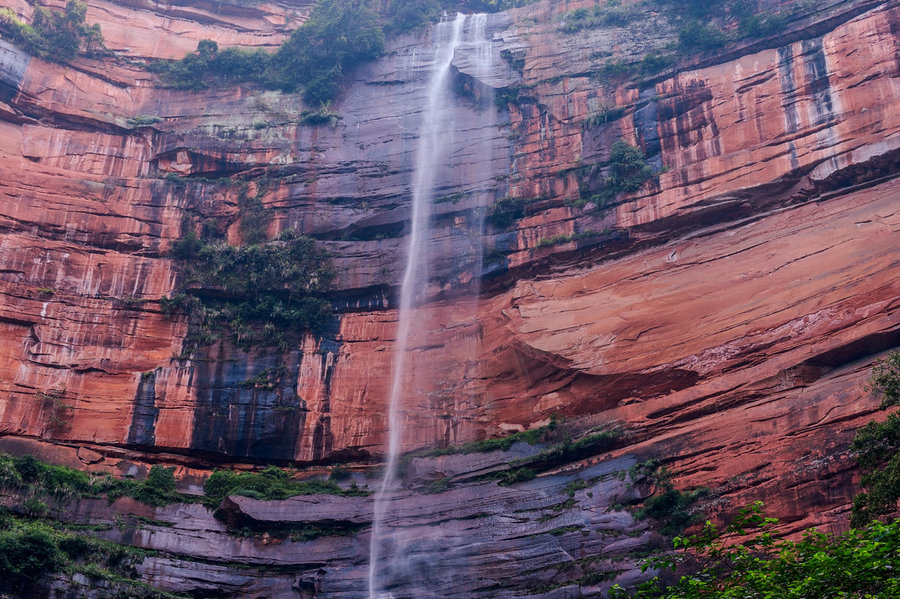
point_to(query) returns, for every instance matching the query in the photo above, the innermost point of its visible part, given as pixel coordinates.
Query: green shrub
(877, 448)
(762, 25)
(610, 14)
(271, 484)
(885, 380)
(259, 294)
(703, 37)
(858, 563)
(158, 488)
(54, 34)
(653, 63)
(26, 473)
(507, 210)
(518, 475)
(26, 554)
(531, 436)
(338, 36)
(35, 507)
(144, 120)
(627, 171)
(605, 115)
(406, 15)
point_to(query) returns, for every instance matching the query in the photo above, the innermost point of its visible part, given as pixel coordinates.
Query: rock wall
(724, 317)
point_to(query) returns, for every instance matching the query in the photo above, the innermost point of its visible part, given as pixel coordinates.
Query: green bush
(531, 436)
(406, 15)
(511, 477)
(605, 115)
(695, 36)
(338, 36)
(260, 294)
(858, 563)
(507, 210)
(609, 14)
(26, 554)
(26, 473)
(627, 171)
(885, 380)
(877, 448)
(158, 488)
(54, 34)
(271, 484)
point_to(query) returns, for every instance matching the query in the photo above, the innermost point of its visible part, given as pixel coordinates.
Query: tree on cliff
(55, 34)
(338, 36)
(877, 446)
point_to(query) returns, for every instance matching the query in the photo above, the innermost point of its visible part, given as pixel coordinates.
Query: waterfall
(391, 567)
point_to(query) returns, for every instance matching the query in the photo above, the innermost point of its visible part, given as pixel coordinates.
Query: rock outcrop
(724, 317)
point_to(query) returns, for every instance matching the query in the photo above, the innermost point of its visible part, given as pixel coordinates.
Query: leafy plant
(260, 294)
(605, 115)
(55, 34)
(877, 448)
(612, 13)
(531, 436)
(703, 37)
(627, 170)
(859, 563)
(271, 483)
(159, 487)
(886, 380)
(27, 553)
(144, 120)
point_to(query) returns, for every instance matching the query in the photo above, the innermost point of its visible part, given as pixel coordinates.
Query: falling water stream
(387, 560)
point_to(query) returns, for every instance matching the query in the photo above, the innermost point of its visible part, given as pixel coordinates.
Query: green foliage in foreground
(271, 483)
(861, 563)
(877, 447)
(32, 549)
(55, 34)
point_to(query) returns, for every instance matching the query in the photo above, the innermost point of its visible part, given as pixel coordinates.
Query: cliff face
(723, 317)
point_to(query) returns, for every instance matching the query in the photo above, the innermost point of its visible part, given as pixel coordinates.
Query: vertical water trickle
(430, 152)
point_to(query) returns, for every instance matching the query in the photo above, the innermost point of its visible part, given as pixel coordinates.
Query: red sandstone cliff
(725, 317)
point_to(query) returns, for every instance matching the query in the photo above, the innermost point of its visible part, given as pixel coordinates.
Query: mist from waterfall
(389, 563)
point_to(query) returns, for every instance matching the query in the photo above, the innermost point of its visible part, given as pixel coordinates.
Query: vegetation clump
(338, 36)
(531, 436)
(605, 115)
(858, 563)
(31, 549)
(39, 479)
(626, 171)
(877, 448)
(612, 13)
(271, 484)
(507, 210)
(259, 293)
(54, 34)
